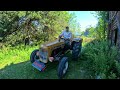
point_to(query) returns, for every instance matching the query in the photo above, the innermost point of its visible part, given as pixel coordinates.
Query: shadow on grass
(25, 70)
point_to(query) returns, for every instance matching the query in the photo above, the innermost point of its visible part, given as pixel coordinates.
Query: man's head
(43, 48)
(67, 29)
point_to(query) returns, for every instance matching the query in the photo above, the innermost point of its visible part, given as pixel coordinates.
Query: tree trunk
(118, 25)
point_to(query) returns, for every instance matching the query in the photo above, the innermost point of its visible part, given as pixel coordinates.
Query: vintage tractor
(57, 50)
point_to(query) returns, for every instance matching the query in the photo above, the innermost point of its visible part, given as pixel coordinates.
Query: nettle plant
(102, 59)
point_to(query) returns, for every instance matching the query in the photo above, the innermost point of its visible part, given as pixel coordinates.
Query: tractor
(56, 51)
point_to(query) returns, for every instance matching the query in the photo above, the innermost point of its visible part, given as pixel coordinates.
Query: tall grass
(102, 60)
(86, 40)
(97, 57)
(15, 55)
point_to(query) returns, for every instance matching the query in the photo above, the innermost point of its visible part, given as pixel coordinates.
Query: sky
(85, 18)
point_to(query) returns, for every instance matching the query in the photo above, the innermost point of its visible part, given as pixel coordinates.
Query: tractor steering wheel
(61, 38)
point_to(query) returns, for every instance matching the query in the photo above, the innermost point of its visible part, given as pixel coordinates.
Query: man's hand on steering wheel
(66, 39)
(59, 38)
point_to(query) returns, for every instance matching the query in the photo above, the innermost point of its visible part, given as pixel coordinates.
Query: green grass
(21, 68)
(15, 64)
(14, 55)
(96, 59)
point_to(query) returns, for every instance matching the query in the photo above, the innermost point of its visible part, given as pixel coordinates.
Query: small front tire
(63, 67)
(33, 56)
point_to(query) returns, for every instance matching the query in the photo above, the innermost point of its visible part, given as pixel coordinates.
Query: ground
(25, 70)
(15, 64)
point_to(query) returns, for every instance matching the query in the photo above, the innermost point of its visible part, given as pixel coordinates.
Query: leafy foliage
(102, 59)
(101, 28)
(36, 26)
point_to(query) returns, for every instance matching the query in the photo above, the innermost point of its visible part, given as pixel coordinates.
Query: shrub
(102, 59)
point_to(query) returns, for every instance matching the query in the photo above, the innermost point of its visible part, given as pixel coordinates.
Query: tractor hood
(51, 45)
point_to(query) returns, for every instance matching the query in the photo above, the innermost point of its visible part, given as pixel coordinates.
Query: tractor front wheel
(63, 67)
(33, 56)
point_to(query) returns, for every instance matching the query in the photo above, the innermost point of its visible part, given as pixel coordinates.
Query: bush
(102, 59)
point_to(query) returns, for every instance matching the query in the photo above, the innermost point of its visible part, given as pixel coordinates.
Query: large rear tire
(33, 56)
(76, 50)
(63, 67)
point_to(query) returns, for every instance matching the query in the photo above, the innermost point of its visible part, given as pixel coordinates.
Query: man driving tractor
(67, 37)
(57, 51)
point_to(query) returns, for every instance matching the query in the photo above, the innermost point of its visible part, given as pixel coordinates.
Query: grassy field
(15, 64)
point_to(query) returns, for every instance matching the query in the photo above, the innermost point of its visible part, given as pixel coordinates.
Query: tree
(72, 22)
(74, 25)
(21, 26)
(102, 23)
(90, 32)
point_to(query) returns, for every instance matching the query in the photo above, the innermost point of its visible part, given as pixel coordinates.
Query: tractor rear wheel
(76, 50)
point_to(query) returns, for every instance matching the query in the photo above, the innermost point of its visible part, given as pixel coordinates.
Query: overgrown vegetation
(18, 54)
(98, 59)
(102, 60)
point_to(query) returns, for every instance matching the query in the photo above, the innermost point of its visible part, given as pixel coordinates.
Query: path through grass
(15, 64)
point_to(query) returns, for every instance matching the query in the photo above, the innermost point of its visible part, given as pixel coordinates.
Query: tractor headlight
(43, 56)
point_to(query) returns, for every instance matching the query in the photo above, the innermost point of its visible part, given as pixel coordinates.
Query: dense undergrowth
(97, 60)
(101, 60)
